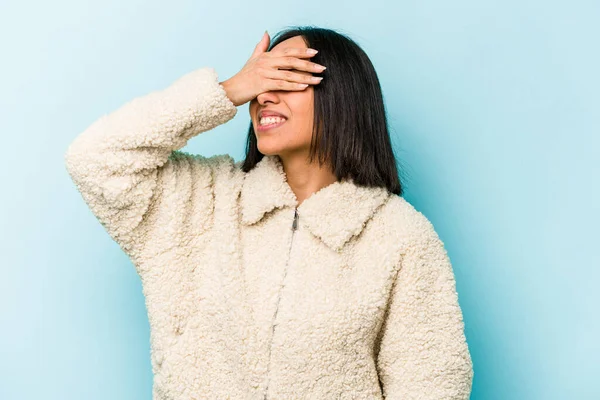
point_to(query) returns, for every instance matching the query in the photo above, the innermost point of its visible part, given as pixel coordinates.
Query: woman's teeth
(271, 120)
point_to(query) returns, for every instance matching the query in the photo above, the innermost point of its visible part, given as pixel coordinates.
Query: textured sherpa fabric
(358, 302)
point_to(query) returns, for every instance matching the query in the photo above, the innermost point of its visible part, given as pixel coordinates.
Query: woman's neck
(306, 178)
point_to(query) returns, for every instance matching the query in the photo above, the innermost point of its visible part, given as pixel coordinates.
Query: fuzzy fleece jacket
(348, 295)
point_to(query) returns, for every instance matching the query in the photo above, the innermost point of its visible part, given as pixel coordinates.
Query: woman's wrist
(227, 86)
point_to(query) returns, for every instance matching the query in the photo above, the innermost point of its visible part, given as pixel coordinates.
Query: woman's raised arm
(119, 162)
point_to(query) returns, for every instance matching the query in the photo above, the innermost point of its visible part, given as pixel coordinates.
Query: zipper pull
(295, 223)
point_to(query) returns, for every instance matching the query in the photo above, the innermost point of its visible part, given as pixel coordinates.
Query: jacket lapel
(265, 188)
(334, 214)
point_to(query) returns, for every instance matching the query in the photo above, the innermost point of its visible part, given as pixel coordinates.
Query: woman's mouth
(267, 123)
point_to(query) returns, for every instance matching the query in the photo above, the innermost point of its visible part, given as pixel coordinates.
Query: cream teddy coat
(349, 295)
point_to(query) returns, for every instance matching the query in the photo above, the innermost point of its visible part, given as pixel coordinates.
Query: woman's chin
(268, 149)
(269, 152)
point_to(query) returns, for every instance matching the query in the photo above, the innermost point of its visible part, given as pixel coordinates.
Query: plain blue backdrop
(494, 109)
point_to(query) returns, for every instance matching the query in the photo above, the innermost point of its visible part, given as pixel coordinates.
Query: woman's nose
(265, 97)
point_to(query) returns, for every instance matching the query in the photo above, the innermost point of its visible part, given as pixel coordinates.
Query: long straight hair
(350, 129)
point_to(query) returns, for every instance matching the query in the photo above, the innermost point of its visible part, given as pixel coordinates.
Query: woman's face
(294, 135)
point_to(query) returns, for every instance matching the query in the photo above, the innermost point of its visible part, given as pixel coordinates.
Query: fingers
(279, 84)
(290, 53)
(283, 69)
(292, 77)
(290, 62)
(300, 52)
(286, 69)
(262, 46)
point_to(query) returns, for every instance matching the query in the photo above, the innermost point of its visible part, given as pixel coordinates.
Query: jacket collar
(334, 214)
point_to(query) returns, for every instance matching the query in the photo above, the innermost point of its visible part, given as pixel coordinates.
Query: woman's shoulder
(208, 179)
(406, 220)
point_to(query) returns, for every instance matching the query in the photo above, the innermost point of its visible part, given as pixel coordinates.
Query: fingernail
(312, 51)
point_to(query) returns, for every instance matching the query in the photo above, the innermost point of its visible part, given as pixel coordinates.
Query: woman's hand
(266, 71)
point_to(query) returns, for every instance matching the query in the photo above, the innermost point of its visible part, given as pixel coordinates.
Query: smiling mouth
(270, 125)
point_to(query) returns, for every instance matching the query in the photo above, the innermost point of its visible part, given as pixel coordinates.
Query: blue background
(495, 114)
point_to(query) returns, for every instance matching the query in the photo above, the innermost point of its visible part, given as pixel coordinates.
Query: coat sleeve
(121, 162)
(422, 351)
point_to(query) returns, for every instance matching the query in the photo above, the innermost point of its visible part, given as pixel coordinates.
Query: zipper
(294, 228)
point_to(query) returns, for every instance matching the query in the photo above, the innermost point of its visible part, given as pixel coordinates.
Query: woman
(297, 273)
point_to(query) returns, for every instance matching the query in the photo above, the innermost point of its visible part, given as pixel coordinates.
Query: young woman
(297, 273)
